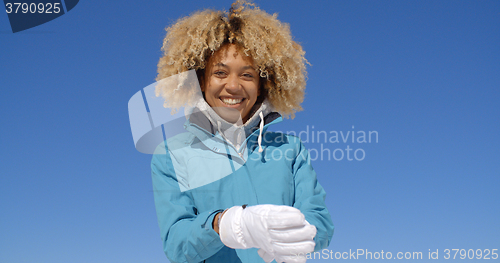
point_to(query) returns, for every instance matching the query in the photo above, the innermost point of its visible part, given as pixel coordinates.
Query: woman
(226, 190)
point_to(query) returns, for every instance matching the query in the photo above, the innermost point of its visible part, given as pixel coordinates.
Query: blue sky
(423, 74)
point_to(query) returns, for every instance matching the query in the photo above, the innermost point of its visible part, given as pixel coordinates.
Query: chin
(229, 114)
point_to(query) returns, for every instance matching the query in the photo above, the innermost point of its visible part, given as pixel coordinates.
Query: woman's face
(231, 83)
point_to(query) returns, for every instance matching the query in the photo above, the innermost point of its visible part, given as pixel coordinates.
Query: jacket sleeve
(186, 234)
(310, 197)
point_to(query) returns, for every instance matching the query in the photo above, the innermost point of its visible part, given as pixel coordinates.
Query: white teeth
(229, 101)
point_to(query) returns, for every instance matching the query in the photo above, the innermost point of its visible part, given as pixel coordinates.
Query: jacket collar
(212, 130)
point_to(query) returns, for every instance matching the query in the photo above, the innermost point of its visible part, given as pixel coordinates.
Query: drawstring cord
(259, 140)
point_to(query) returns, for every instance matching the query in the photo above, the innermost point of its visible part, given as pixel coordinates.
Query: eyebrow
(226, 66)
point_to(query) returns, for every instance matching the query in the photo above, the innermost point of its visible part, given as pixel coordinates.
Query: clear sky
(422, 75)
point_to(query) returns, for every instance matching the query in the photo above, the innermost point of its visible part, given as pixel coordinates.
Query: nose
(233, 84)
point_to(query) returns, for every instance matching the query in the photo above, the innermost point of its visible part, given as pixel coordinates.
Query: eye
(220, 73)
(247, 75)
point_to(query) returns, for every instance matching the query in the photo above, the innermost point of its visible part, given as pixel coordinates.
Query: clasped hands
(280, 232)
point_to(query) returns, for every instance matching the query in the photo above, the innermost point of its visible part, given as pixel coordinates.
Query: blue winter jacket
(281, 174)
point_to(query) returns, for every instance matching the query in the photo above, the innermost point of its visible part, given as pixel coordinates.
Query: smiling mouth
(231, 101)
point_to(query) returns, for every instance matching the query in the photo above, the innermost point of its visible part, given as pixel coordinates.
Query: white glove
(279, 231)
(292, 256)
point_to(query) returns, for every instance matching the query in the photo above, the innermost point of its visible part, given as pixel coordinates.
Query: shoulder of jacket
(294, 138)
(180, 140)
(287, 137)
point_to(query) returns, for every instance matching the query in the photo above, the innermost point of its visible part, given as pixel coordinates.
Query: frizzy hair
(191, 41)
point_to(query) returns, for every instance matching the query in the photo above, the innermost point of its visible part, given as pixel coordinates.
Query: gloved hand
(280, 232)
(292, 256)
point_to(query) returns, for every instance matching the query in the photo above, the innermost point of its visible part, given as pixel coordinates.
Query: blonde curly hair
(191, 41)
